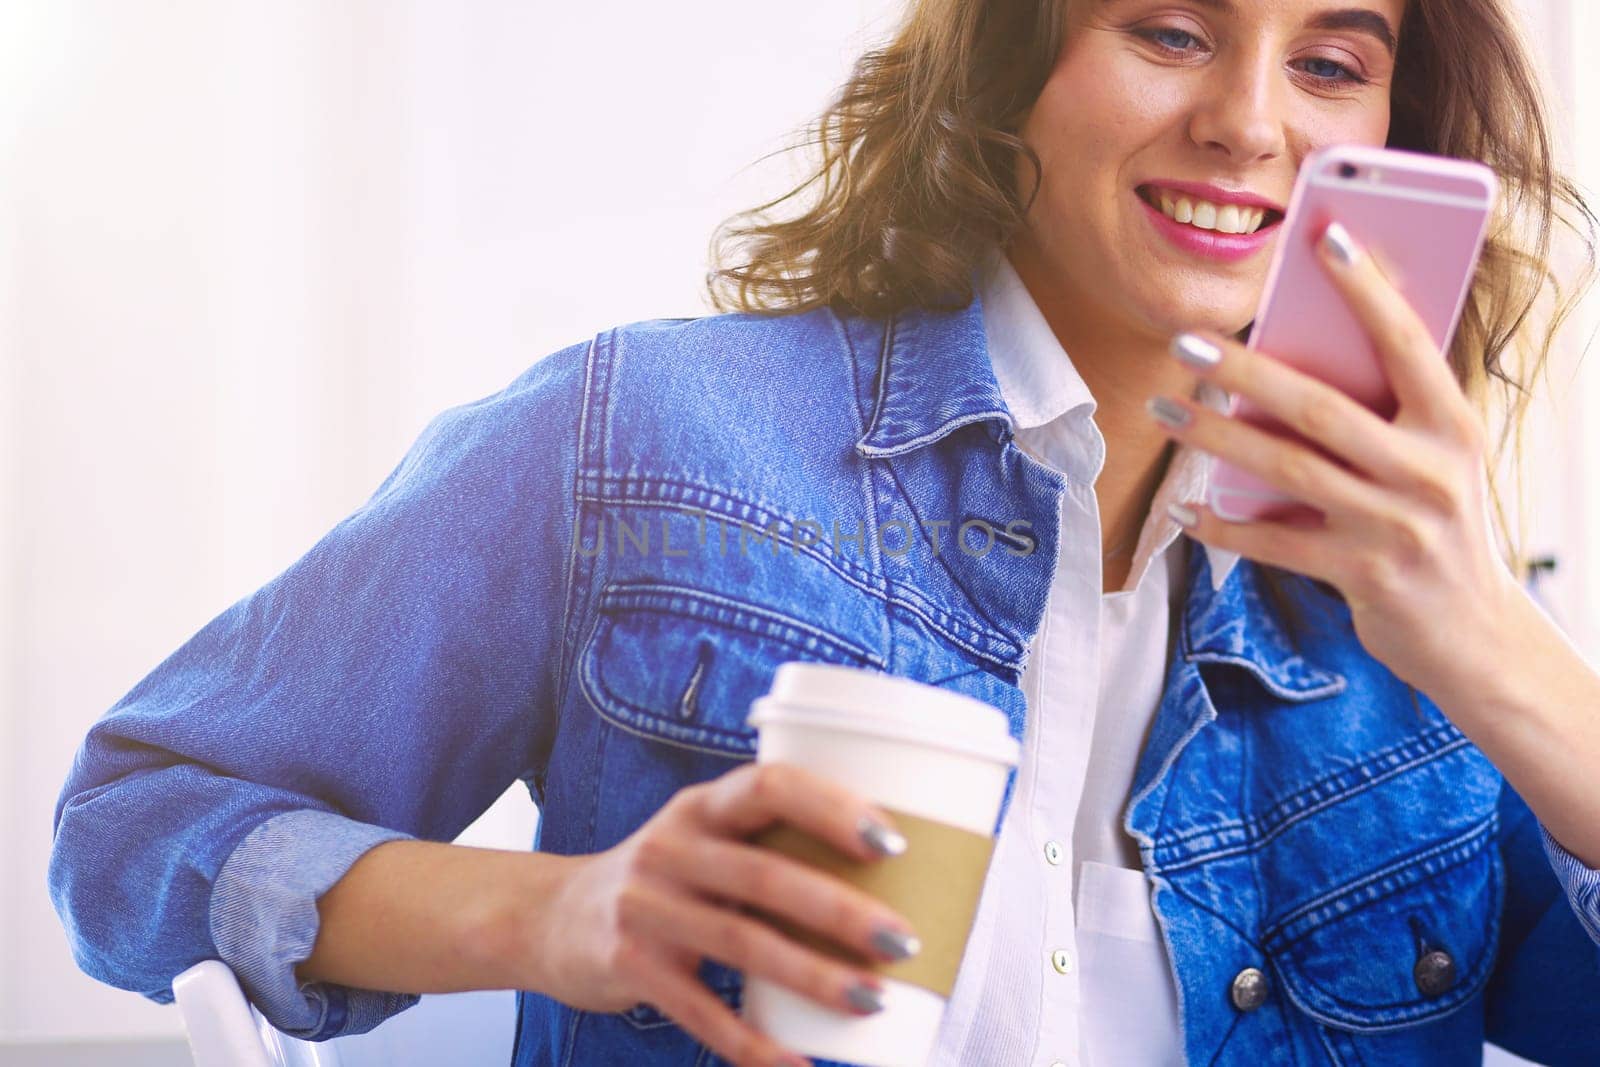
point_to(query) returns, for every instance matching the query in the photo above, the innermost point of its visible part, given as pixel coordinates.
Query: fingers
(1418, 373)
(759, 794)
(749, 945)
(784, 887)
(1288, 466)
(691, 1005)
(1291, 543)
(1312, 408)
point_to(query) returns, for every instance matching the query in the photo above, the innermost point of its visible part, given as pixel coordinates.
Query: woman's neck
(1122, 367)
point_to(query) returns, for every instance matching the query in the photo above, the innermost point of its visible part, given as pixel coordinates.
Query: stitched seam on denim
(883, 379)
(869, 492)
(847, 343)
(1410, 1012)
(976, 643)
(1223, 1044)
(1333, 1054)
(714, 502)
(956, 422)
(1167, 766)
(580, 570)
(1255, 837)
(1334, 684)
(729, 612)
(1464, 989)
(706, 501)
(1246, 754)
(641, 722)
(516, 1039)
(1253, 826)
(1283, 1012)
(572, 1036)
(917, 608)
(1424, 744)
(1402, 873)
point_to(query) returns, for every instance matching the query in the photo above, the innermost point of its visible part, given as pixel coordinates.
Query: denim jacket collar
(1237, 624)
(935, 377)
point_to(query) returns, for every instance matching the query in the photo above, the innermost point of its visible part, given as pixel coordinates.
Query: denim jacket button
(1435, 972)
(1249, 990)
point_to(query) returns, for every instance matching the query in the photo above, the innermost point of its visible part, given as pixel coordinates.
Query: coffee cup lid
(862, 701)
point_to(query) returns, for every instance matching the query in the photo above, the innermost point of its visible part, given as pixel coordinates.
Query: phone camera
(1348, 170)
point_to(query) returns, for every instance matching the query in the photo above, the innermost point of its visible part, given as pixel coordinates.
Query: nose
(1240, 111)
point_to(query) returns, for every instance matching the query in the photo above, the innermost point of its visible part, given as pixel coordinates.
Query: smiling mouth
(1188, 210)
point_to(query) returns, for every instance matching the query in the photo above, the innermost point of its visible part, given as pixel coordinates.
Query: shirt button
(1053, 852)
(1061, 960)
(1435, 973)
(1249, 990)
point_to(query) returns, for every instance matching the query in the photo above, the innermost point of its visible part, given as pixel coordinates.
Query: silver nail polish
(1168, 411)
(1185, 517)
(865, 999)
(879, 838)
(1338, 241)
(895, 944)
(1195, 351)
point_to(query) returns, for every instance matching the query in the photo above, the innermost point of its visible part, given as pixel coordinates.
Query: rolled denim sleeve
(391, 683)
(1580, 882)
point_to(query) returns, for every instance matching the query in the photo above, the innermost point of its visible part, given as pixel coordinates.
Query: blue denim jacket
(582, 581)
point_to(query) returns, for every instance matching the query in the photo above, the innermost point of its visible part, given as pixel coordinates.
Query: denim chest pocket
(681, 665)
(1402, 945)
(674, 669)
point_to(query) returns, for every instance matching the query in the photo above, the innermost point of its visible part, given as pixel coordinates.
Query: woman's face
(1202, 110)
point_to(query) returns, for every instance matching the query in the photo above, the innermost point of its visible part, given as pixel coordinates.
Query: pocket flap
(682, 665)
(1367, 957)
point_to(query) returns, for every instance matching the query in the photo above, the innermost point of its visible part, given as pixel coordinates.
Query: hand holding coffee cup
(937, 762)
(635, 921)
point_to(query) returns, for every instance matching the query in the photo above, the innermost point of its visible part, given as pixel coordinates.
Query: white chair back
(225, 1030)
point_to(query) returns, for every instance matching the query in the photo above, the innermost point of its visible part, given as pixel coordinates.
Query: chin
(1224, 313)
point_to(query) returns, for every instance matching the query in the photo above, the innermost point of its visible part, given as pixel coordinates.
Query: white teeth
(1204, 215)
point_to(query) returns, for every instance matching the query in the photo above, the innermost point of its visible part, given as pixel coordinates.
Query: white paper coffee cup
(906, 747)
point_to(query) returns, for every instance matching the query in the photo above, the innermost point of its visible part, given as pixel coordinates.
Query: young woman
(1310, 793)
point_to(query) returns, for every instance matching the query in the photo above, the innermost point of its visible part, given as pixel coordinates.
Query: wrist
(509, 932)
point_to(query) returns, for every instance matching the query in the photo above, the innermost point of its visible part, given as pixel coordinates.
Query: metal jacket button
(1249, 990)
(1435, 972)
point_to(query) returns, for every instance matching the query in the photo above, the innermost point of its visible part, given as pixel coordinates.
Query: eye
(1328, 70)
(1170, 38)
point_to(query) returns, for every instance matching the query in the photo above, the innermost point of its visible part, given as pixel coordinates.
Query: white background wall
(247, 250)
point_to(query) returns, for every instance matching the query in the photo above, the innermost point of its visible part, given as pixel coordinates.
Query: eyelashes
(1179, 43)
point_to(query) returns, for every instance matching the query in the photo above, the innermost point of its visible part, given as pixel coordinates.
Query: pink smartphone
(1423, 218)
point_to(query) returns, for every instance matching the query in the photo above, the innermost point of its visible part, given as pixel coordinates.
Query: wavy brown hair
(916, 182)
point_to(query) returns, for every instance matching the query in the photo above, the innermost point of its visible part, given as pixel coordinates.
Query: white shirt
(1066, 966)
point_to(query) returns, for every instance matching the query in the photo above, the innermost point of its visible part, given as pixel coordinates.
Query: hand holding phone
(1423, 220)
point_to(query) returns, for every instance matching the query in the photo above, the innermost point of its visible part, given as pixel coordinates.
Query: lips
(1208, 222)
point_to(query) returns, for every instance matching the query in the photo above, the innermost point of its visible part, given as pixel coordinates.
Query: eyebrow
(1360, 19)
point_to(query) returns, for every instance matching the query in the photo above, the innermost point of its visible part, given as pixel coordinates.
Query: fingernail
(1168, 412)
(895, 944)
(794, 1059)
(1340, 245)
(1185, 517)
(879, 838)
(864, 999)
(1195, 351)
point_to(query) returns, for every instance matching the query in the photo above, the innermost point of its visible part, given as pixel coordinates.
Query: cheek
(1358, 123)
(1098, 107)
